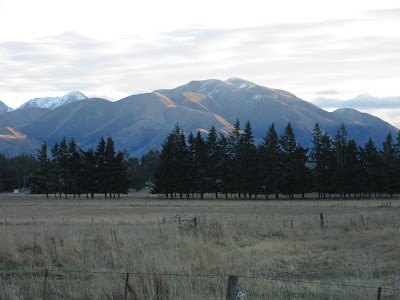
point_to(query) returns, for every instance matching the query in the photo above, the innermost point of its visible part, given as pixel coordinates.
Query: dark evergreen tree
(63, 165)
(322, 162)
(135, 174)
(41, 176)
(148, 164)
(171, 172)
(352, 174)
(74, 169)
(121, 172)
(88, 171)
(271, 162)
(370, 168)
(340, 164)
(213, 162)
(389, 162)
(289, 164)
(224, 167)
(101, 169)
(236, 184)
(249, 163)
(110, 170)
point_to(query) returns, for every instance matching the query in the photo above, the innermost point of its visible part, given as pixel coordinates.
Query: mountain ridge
(141, 122)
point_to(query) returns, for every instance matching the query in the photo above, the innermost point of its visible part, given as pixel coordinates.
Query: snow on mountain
(54, 102)
(4, 108)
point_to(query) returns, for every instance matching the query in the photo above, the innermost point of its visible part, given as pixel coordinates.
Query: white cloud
(123, 47)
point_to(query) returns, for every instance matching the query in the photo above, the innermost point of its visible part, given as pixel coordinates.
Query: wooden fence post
(45, 284)
(232, 288)
(194, 225)
(321, 216)
(379, 293)
(126, 285)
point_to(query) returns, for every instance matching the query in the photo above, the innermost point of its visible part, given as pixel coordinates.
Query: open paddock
(279, 249)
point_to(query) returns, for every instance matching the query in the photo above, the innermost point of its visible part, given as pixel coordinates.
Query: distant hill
(141, 122)
(13, 142)
(54, 102)
(4, 108)
(361, 101)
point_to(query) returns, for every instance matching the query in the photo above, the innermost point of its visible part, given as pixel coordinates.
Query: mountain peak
(54, 102)
(240, 83)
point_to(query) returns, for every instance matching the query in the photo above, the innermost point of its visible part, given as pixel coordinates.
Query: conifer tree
(200, 161)
(389, 171)
(235, 160)
(110, 170)
(213, 162)
(249, 159)
(101, 169)
(41, 176)
(289, 164)
(271, 162)
(88, 165)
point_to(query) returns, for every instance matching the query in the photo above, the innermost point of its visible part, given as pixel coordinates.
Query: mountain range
(141, 122)
(361, 101)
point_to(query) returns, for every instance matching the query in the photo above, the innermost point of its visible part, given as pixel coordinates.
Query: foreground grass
(277, 247)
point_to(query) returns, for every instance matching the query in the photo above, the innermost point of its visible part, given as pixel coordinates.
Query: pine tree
(63, 165)
(370, 168)
(101, 169)
(200, 161)
(389, 171)
(236, 184)
(340, 169)
(88, 171)
(121, 174)
(135, 174)
(213, 162)
(322, 162)
(110, 170)
(171, 172)
(288, 176)
(224, 167)
(55, 173)
(41, 175)
(271, 162)
(74, 166)
(250, 166)
(148, 164)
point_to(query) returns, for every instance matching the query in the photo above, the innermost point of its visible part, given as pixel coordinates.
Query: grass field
(277, 248)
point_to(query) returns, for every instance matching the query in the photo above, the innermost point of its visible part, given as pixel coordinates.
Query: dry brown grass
(90, 245)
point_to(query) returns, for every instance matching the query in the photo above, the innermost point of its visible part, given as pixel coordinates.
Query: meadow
(278, 249)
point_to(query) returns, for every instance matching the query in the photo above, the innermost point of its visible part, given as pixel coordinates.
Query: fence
(50, 289)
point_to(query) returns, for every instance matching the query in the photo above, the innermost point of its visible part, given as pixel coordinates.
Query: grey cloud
(328, 92)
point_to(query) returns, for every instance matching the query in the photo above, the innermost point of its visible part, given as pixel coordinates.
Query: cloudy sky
(112, 49)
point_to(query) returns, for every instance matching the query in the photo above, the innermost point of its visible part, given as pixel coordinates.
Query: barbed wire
(202, 276)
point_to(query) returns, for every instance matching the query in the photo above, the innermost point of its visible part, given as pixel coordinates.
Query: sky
(113, 49)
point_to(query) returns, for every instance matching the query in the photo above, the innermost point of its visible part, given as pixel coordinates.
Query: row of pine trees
(234, 165)
(15, 171)
(69, 170)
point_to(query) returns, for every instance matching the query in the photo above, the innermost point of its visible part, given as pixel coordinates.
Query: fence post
(321, 216)
(194, 225)
(126, 285)
(379, 293)
(232, 288)
(45, 284)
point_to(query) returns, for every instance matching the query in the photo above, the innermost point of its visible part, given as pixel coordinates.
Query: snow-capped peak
(54, 102)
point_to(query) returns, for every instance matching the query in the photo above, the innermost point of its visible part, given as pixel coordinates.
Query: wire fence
(44, 277)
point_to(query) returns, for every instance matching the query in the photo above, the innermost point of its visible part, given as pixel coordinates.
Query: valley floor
(185, 249)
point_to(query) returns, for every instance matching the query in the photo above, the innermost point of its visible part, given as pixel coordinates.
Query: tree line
(234, 165)
(15, 172)
(71, 170)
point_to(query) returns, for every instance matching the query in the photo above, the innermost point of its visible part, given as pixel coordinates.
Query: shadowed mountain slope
(141, 122)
